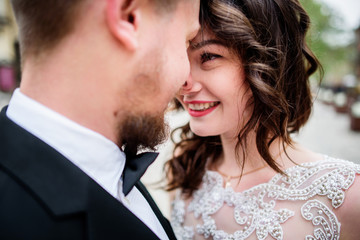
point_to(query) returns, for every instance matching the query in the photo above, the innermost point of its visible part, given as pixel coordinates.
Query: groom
(97, 76)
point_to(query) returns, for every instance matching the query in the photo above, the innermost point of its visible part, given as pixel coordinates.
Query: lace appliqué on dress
(255, 209)
(321, 215)
(177, 219)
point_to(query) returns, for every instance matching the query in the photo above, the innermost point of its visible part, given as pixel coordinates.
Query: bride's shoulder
(349, 212)
(333, 163)
(337, 166)
(339, 181)
(329, 170)
(303, 157)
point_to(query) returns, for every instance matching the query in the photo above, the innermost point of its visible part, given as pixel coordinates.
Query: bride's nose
(188, 86)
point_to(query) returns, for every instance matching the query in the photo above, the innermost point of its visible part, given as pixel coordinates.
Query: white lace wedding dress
(300, 206)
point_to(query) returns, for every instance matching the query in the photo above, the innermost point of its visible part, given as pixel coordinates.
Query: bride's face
(216, 94)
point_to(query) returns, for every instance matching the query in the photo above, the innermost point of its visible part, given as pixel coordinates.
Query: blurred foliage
(337, 60)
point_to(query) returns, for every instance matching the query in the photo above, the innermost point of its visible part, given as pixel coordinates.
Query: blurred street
(4, 99)
(328, 132)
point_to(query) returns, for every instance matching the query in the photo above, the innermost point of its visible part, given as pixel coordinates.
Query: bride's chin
(202, 132)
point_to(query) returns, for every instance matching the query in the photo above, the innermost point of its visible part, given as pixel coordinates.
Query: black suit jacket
(44, 196)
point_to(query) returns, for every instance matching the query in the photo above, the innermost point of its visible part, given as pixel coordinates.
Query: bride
(237, 172)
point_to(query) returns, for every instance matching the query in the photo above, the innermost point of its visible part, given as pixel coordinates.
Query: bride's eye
(208, 57)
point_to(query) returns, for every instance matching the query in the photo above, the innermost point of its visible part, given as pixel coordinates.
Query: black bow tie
(135, 167)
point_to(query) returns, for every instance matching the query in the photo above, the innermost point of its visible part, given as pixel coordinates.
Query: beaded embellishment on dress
(256, 211)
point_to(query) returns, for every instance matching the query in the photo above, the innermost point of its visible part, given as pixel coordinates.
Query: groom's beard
(143, 132)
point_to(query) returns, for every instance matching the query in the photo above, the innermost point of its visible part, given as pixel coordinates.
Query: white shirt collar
(94, 154)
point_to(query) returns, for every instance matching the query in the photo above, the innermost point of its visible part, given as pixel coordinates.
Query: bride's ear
(122, 18)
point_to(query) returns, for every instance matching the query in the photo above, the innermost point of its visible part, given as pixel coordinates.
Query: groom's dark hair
(44, 23)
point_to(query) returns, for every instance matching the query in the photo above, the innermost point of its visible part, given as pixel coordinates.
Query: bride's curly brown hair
(268, 36)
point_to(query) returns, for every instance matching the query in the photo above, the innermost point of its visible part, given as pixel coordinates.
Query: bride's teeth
(202, 106)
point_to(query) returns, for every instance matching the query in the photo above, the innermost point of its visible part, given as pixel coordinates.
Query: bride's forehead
(204, 34)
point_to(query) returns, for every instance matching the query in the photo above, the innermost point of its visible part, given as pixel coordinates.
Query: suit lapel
(107, 218)
(44, 171)
(164, 222)
(62, 188)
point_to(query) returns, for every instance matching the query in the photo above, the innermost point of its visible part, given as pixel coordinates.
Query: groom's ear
(122, 18)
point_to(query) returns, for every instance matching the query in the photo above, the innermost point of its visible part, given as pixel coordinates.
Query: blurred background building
(334, 128)
(9, 59)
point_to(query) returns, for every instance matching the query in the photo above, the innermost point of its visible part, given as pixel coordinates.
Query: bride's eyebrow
(195, 46)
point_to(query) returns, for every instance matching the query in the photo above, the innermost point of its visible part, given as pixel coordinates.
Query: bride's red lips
(200, 113)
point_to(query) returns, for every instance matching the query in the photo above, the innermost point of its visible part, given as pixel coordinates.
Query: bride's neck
(231, 160)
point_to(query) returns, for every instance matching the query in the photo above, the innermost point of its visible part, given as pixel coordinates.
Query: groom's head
(127, 58)
(43, 24)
